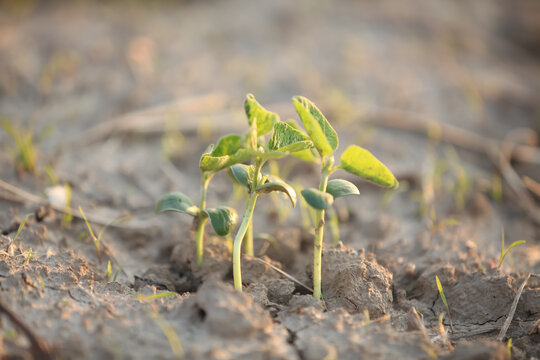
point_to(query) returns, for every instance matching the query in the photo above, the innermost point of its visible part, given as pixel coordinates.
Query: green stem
(246, 223)
(237, 247)
(199, 235)
(248, 246)
(319, 235)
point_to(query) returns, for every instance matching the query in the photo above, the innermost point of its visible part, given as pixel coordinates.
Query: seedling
(227, 152)
(284, 140)
(442, 332)
(355, 160)
(509, 348)
(443, 298)
(505, 252)
(97, 239)
(24, 153)
(108, 274)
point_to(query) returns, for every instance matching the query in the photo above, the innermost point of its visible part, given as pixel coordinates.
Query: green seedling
(108, 274)
(443, 298)
(285, 139)
(505, 252)
(228, 151)
(24, 152)
(97, 239)
(355, 160)
(509, 348)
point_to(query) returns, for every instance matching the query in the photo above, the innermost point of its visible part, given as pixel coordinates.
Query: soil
(103, 87)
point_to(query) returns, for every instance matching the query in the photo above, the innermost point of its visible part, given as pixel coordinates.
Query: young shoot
(24, 152)
(97, 239)
(505, 252)
(355, 160)
(443, 298)
(227, 152)
(284, 140)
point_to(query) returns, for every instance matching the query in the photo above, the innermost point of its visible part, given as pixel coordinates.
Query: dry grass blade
(508, 320)
(290, 277)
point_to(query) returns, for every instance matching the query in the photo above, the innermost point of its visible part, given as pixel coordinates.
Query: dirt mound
(355, 283)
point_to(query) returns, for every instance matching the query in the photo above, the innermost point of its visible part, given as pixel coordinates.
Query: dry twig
(508, 320)
(39, 347)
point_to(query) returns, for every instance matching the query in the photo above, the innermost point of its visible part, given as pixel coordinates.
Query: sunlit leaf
(276, 184)
(217, 163)
(177, 201)
(317, 199)
(339, 187)
(319, 129)
(227, 145)
(264, 119)
(286, 138)
(223, 219)
(362, 163)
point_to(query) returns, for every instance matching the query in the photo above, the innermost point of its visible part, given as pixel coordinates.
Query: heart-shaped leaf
(276, 184)
(287, 138)
(319, 129)
(362, 163)
(318, 199)
(223, 219)
(177, 201)
(339, 187)
(264, 119)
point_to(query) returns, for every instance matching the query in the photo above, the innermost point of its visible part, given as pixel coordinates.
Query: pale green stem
(248, 246)
(319, 235)
(246, 222)
(237, 247)
(199, 235)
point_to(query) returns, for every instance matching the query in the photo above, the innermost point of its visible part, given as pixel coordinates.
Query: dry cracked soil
(108, 87)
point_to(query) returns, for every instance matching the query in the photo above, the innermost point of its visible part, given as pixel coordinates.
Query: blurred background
(75, 73)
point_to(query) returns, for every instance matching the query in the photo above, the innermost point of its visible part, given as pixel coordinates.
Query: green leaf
(227, 145)
(223, 219)
(217, 163)
(362, 163)
(177, 201)
(287, 138)
(276, 184)
(319, 129)
(318, 199)
(339, 187)
(243, 174)
(264, 119)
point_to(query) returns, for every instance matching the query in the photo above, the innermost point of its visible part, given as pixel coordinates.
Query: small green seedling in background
(355, 160)
(24, 153)
(443, 298)
(97, 239)
(108, 274)
(505, 252)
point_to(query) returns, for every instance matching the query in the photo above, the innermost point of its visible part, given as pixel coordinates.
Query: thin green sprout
(443, 298)
(505, 252)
